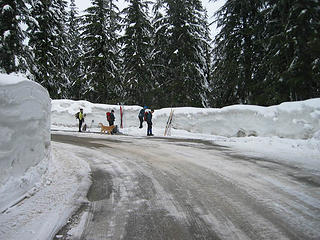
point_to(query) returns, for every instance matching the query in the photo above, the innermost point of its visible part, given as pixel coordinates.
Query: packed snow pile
(25, 137)
(299, 120)
(63, 114)
(296, 120)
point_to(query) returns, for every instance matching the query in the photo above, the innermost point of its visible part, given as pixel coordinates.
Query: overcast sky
(209, 5)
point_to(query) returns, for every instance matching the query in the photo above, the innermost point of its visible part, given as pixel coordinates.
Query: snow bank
(25, 136)
(300, 120)
(63, 111)
(297, 120)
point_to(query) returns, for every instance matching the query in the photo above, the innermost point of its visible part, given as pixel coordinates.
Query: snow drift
(25, 136)
(296, 120)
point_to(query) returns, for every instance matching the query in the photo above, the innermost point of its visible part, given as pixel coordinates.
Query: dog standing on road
(105, 129)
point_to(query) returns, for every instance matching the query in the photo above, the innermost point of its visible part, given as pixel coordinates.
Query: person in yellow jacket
(80, 116)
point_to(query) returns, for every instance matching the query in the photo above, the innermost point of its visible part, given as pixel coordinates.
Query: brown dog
(105, 129)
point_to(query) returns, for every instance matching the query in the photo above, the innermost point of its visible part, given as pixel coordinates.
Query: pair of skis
(121, 117)
(167, 131)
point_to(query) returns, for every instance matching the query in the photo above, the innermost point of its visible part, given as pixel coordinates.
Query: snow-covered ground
(40, 184)
(25, 137)
(56, 180)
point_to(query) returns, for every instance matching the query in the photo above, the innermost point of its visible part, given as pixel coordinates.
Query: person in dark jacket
(149, 122)
(80, 116)
(141, 116)
(112, 118)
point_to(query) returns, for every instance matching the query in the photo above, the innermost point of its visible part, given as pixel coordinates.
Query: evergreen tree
(73, 62)
(46, 62)
(161, 50)
(187, 33)
(266, 52)
(12, 13)
(207, 52)
(293, 50)
(137, 53)
(101, 52)
(237, 54)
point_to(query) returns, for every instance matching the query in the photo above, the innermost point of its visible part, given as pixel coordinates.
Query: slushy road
(163, 188)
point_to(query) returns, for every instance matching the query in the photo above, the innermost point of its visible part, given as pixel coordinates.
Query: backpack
(146, 116)
(108, 116)
(141, 113)
(77, 115)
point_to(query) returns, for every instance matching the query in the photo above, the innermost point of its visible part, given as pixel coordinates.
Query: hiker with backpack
(110, 117)
(141, 116)
(80, 115)
(148, 118)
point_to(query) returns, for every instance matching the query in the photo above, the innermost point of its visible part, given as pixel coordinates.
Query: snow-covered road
(156, 188)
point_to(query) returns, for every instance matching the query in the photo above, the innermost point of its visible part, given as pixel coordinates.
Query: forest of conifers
(161, 53)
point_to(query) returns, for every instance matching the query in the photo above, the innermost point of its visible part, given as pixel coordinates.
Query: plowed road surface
(155, 188)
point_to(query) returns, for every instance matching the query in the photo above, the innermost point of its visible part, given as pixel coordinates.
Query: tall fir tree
(293, 50)
(187, 33)
(137, 54)
(74, 69)
(12, 15)
(46, 33)
(238, 50)
(161, 50)
(266, 52)
(101, 59)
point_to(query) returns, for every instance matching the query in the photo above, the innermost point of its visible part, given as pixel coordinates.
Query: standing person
(149, 122)
(111, 118)
(141, 116)
(80, 116)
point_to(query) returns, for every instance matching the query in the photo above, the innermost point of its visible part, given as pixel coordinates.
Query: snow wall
(297, 120)
(25, 108)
